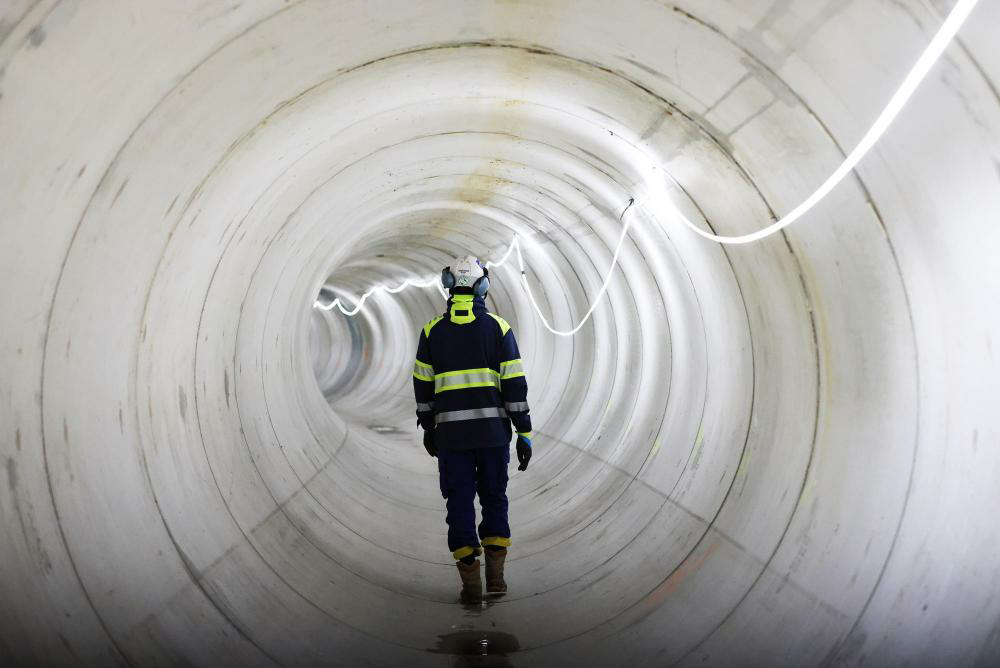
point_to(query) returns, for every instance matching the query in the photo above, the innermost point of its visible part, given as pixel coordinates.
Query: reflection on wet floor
(476, 609)
(478, 648)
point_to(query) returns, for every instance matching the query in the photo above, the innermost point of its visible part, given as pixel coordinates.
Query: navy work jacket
(468, 379)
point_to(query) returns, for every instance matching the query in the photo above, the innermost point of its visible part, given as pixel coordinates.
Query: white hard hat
(467, 270)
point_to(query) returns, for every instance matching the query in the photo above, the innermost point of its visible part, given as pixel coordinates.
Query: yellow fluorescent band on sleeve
(503, 364)
(424, 366)
(429, 379)
(508, 376)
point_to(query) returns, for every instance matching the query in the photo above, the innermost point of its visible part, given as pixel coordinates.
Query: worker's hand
(523, 451)
(429, 443)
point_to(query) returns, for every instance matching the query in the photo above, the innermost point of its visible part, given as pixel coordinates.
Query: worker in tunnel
(470, 387)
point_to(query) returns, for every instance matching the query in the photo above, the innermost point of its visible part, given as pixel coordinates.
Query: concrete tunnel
(776, 454)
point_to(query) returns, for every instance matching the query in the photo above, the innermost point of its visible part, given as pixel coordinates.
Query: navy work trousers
(463, 474)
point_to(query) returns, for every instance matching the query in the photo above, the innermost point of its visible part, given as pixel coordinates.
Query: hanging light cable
(959, 13)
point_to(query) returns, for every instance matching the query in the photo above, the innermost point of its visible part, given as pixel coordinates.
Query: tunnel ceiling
(783, 453)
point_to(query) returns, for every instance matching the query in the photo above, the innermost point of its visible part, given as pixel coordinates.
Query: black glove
(523, 451)
(429, 443)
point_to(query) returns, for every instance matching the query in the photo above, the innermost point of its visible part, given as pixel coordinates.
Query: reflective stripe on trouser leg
(500, 541)
(463, 552)
(470, 414)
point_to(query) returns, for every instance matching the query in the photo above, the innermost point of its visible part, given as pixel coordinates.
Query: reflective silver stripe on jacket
(425, 407)
(470, 414)
(511, 369)
(459, 380)
(423, 371)
(516, 406)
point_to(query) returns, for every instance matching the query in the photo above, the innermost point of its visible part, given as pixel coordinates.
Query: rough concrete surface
(780, 454)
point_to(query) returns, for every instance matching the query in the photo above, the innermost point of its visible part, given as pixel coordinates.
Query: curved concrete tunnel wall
(775, 454)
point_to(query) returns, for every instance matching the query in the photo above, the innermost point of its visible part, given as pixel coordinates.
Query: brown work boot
(472, 585)
(494, 571)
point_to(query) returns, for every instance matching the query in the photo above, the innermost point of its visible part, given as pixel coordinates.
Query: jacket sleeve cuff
(522, 423)
(426, 420)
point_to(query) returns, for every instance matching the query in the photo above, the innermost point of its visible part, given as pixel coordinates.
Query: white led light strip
(944, 35)
(600, 293)
(410, 282)
(658, 196)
